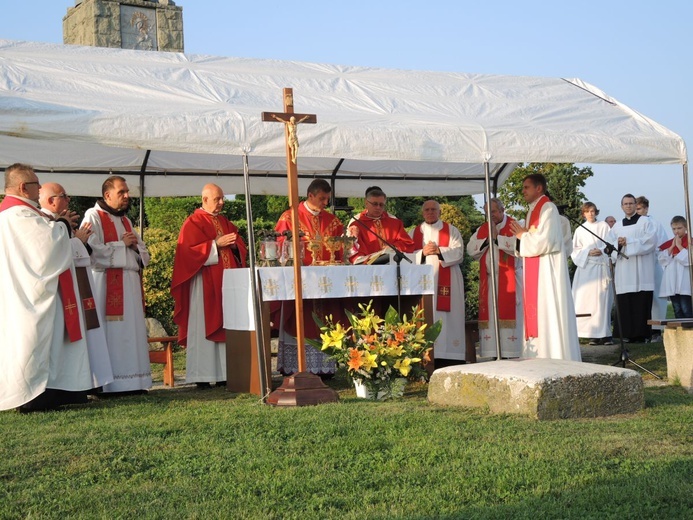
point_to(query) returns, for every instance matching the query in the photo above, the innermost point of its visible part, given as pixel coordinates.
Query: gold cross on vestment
(70, 306)
(115, 299)
(444, 291)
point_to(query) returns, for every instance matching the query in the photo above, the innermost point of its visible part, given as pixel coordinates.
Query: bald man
(208, 243)
(54, 203)
(440, 244)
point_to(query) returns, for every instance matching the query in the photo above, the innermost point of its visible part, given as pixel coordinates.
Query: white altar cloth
(334, 281)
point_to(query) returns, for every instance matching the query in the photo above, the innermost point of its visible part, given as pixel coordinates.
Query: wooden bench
(164, 357)
(674, 323)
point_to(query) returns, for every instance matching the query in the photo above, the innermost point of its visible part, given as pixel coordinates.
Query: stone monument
(125, 24)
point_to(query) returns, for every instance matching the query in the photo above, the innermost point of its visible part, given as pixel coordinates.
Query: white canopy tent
(181, 121)
(75, 111)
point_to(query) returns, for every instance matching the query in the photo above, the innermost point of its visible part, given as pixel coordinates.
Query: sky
(639, 52)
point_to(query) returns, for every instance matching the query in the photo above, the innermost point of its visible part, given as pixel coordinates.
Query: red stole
(444, 276)
(532, 277)
(65, 283)
(114, 275)
(666, 245)
(506, 281)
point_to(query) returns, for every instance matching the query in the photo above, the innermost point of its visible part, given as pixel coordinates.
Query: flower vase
(391, 389)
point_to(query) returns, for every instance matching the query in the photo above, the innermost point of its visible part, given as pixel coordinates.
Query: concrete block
(678, 347)
(540, 388)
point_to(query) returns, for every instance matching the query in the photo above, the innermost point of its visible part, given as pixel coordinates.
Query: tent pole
(255, 278)
(143, 169)
(333, 182)
(688, 219)
(492, 255)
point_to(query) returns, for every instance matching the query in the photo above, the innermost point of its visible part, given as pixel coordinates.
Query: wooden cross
(291, 121)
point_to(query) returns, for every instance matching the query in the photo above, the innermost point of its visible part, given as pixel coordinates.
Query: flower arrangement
(376, 351)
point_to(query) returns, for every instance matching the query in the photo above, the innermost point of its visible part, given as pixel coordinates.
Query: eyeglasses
(62, 196)
(376, 204)
(31, 182)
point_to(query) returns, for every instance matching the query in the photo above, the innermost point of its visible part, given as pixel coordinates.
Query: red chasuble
(390, 228)
(65, 282)
(532, 277)
(506, 282)
(325, 224)
(444, 276)
(194, 246)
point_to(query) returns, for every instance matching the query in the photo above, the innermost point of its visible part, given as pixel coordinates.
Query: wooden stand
(242, 368)
(165, 357)
(302, 389)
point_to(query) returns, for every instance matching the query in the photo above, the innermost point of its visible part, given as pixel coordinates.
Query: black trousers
(635, 309)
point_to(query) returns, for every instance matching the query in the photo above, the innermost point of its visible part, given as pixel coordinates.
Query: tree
(564, 181)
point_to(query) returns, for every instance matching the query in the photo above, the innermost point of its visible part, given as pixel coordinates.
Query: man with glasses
(381, 225)
(636, 237)
(54, 203)
(42, 348)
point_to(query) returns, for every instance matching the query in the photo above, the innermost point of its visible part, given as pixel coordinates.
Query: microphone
(348, 209)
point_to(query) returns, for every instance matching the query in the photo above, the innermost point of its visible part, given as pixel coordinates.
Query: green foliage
(564, 181)
(156, 279)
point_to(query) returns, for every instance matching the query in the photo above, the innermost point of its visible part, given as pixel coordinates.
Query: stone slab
(678, 347)
(540, 388)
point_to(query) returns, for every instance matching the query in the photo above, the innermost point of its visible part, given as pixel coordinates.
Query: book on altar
(378, 258)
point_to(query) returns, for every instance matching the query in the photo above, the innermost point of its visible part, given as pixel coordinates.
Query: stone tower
(127, 24)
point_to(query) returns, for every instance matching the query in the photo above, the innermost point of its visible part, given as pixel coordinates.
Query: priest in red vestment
(314, 222)
(208, 243)
(383, 225)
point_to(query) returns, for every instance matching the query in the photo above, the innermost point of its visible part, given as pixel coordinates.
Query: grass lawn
(184, 453)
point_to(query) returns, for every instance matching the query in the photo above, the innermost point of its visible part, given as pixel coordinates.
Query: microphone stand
(398, 257)
(608, 250)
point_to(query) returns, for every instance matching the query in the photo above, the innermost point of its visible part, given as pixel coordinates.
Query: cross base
(302, 389)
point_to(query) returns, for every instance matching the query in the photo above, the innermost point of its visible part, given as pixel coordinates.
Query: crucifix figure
(291, 121)
(292, 138)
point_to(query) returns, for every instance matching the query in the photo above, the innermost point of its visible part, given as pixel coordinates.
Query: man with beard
(118, 255)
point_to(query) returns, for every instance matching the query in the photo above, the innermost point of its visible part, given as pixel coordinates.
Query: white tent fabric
(86, 110)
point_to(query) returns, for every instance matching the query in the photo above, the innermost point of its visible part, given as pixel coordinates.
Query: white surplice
(99, 359)
(127, 339)
(451, 342)
(659, 304)
(557, 328)
(511, 337)
(676, 278)
(592, 291)
(35, 352)
(635, 273)
(205, 361)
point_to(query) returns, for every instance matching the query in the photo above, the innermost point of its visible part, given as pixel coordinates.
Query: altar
(352, 283)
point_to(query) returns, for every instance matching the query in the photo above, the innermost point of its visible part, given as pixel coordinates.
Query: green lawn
(184, 453)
